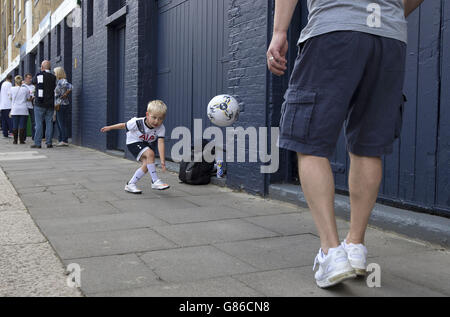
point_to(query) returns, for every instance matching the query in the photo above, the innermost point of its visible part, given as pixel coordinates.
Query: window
(58, 40)
(19, 19)
(14, 17)
(3, 30)
(50, 46)
(115, 5)
(90, 18)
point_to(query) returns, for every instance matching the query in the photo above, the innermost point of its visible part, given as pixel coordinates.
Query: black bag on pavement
(196, 173)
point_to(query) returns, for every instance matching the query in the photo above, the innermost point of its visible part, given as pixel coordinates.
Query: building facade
(122, 54)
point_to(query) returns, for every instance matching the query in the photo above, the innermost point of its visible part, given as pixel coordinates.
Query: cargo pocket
(399, 121)
(296, 114)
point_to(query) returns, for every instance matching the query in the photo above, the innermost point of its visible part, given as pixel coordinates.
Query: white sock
(152, 172)
(137, 176)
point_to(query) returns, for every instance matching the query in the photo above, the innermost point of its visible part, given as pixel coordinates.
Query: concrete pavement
(187, 241)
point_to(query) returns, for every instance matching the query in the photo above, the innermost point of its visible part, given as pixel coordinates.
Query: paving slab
(47, 199)
(430, 269)
(152, 203)
(274, 253)
(114, 222)
(73, 210)
(219, 287)
(194, 263)
(213, 232)
(255, 206)
(88, 195)
(291, 223)
(96, 244)
(197, 214)
(299, 282)
(114, 273)
(51, 189)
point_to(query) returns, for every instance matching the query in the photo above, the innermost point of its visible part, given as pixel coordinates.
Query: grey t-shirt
(379, 17)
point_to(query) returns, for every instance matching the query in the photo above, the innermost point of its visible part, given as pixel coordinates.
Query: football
(223, 110)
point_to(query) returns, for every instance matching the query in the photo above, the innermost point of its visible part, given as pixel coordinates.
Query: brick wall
(92, 92)
(247, 79)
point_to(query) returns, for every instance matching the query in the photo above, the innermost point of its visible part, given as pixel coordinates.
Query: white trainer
(357, 256)
(132, 188)
(159, 185)
(334, 268)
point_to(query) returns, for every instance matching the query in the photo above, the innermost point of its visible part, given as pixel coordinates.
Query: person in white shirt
(5, 106)
(20, 96)
(27, 83)
(142, 135)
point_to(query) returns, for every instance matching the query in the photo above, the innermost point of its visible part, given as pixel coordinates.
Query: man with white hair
(45, 83)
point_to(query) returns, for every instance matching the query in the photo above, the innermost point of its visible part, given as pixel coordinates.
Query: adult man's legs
(364, 183)
(49, 126)
(317, 183)
(318, 186)
(39, 118)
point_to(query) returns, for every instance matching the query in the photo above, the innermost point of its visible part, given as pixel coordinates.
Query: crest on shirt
(147, 138)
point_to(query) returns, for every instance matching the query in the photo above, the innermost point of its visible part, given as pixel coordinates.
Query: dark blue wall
(417, 174)
(94, 69)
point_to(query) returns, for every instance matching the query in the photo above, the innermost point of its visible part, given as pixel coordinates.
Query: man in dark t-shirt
(45, 83)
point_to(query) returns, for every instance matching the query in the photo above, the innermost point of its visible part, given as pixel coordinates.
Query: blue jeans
(33, 124)
(41, 114)
(19, 122)
(61, 120)
(6, 122)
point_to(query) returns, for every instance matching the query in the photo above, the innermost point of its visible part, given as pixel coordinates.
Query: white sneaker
(159, 185)
(132, 188)
(357, 255)
(334, 268)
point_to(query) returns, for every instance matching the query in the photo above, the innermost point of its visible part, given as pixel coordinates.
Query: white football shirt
(150, 135)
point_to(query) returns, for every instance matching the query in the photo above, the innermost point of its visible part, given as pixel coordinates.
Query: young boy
(142, 134)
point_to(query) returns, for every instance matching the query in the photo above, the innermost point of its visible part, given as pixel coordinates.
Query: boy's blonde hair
(60, 73)
(157, 107)
(18, 80)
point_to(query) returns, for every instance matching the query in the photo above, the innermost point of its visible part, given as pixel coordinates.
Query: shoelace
(316, 260)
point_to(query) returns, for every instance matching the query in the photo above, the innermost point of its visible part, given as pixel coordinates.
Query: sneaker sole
(135, 193)
(360, 272)
(336, 279)
(161, 188)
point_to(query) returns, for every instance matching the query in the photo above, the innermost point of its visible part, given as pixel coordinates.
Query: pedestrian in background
(5, 106)
(44, 106)
(20, 96)
(27, 83)
(62, 105)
